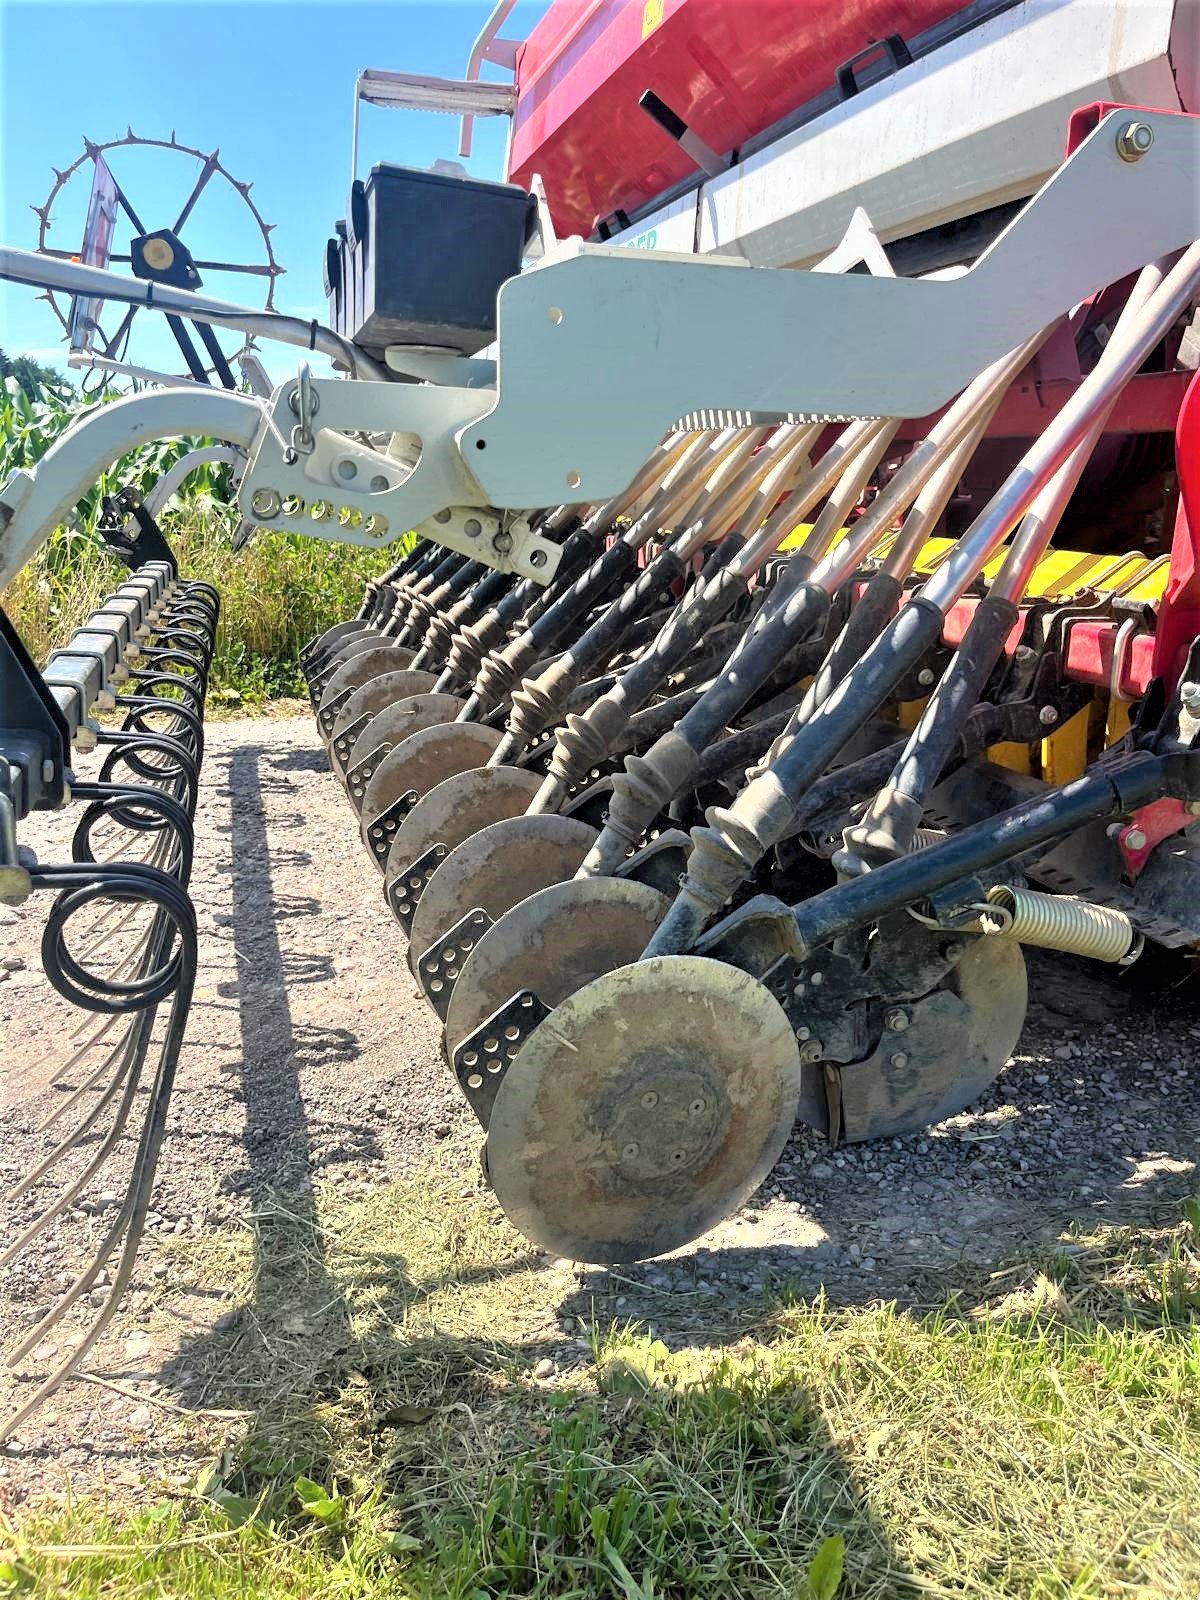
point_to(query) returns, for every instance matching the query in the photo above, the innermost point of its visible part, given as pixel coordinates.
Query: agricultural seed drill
(804, 614)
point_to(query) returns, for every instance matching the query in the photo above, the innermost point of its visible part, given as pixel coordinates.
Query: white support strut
(34, 501)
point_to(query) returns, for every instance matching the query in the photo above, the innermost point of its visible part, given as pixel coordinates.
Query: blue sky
(270, 84)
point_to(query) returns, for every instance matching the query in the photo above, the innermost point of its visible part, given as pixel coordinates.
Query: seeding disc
(389, 728)
(324, 644)
(553, 943)
(457, 808)
(501, 865)
(423, 760)
(956, 1043)
(368, 701)
(647, 1107)
(370, 662)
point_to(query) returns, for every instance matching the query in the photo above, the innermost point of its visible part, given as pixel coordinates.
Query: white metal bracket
(345, 490)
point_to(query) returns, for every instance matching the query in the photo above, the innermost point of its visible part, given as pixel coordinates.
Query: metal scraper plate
(458, 807)
(361, 668)
(366, 702)
(643, 1110)
(423, 760)
(957, 1042)
(390, 727)
(495, 869)
(552, 944)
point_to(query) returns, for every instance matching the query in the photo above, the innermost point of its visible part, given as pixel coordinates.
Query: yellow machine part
(1060, 576)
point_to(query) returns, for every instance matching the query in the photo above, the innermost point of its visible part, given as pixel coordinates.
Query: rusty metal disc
(370, 662)
(368, 701)
(646, 1108)
(455, 809)
(389, 728)
(957, 1041)
(423, 760)
(552, 944)
(496, 868)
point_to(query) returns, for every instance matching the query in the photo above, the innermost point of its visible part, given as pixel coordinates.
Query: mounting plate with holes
(336, 487)
(481, 1061)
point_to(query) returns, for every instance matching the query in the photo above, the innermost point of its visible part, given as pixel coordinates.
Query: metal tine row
(130, 958)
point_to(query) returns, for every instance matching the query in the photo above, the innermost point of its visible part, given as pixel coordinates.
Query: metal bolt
(896, 1020)
(1189, 693)
(954, 949)
(631, 1149)
(265, 504)
(817, 979)
(650, 1100)
(1135, 839)
(1114, 831)
(442, 516)
(1193, 808)
(1047, 716)
(47, 771)
(925, 677)
(811, 1051)
(899, 1060)
(1133, 140)
(803, 1033)
(697, 1106)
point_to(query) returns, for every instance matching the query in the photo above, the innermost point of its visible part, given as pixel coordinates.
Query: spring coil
(1060, 922)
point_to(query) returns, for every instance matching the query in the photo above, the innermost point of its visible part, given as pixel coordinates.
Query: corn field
(276, 593)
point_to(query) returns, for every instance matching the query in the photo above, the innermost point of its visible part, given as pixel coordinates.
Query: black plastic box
(424, 257)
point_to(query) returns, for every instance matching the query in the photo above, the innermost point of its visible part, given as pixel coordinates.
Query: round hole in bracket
(293, 506)
(474, 1081)
(481, 444)
(537, 558)
(320, 511)
(442, 516)
(379, 483)
(573, 480)
(375, 526)
(554, 314)
(347, 469)
(472, 527)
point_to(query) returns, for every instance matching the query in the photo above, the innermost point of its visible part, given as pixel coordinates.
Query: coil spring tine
(104, 1149)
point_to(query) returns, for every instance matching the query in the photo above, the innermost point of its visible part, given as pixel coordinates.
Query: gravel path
(310, 1055)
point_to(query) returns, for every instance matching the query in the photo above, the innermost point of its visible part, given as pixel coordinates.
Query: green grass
(1033, 1437)
(276, 594)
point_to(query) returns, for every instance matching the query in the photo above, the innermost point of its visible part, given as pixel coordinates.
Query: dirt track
(311, 1057)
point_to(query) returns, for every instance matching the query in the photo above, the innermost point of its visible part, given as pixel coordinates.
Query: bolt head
(899, 1060)
(1189, 693)
(1135, 839)
(1134, 140)
(1193, 808)
(1047, 716)
(896, 1020)
(925, 677)
(266, 504)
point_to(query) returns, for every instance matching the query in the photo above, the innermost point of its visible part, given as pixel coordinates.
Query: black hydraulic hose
(912, 878)
(890, 824)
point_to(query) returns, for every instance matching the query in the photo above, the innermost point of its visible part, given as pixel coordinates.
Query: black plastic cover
(424, 258)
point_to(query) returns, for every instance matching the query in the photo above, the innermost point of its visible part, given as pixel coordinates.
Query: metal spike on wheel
(647, 1107)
